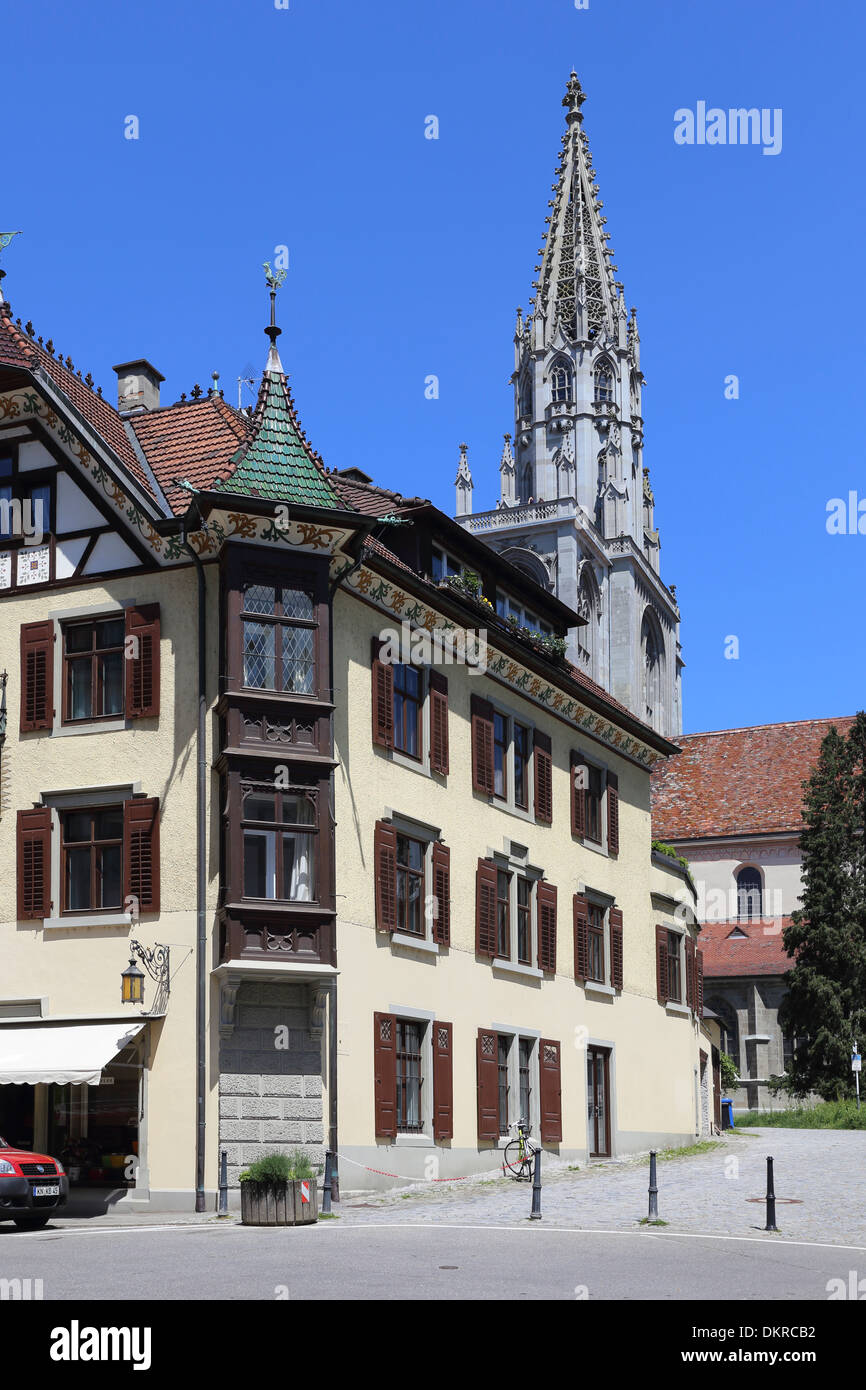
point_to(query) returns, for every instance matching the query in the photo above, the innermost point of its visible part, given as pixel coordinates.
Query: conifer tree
(825, 1007)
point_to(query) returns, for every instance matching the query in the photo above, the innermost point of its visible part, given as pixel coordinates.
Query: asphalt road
(336, 1261)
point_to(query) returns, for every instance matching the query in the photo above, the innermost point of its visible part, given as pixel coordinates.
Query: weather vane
(5, 238)
(274, 278)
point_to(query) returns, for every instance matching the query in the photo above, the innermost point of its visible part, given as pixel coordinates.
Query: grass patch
(830, 1114)
(704, 1146)
(329, 1216)
(645, 1221)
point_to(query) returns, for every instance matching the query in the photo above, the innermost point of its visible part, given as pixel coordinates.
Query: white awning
(65, 1052)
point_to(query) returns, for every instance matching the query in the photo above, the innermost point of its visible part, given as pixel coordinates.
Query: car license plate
(47, 1190)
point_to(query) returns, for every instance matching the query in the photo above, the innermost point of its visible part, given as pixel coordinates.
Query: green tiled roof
(277, 462)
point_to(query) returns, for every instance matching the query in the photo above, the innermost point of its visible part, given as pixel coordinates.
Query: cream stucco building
(384, 855)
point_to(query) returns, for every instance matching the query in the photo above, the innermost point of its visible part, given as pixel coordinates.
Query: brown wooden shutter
(34, 864)
(488, 1084)
(443, 1082)
(383, 698)
(699, 982)
(485, 908)
(439, 723)
(385, 1074)
(662, 986)
(550, 1088)
(578, 802)
(616, 947)
(543, 761)
(691, 973)
(141, 852)
(581, 937)
(442, 892)
(482, 745)
(142, 663)
(546, 926)
(37, 675)
(612, 813)
(385, 870)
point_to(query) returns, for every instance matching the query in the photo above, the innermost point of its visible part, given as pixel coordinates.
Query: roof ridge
(779, 724)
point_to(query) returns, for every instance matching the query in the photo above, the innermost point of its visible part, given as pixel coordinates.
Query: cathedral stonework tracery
(573, 481)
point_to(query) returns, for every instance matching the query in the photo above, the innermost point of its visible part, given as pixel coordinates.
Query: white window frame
(428, 835)
(515, 1035)
(423, 1139)
(604, 768)
(514, 863)
(112, 608)
(87, 798)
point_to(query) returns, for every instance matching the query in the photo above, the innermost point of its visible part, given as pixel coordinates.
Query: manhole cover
(780, 1201)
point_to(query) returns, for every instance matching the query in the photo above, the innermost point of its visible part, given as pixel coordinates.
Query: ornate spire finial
(5, 238)
(574, 99)
(274, 280)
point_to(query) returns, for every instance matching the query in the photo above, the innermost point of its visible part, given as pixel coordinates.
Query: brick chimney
(137, 386)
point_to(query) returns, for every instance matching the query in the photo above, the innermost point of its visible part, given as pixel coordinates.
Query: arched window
(653, 655)
(749, 894)
(604, 381)
(526, 397)
(587, 637)
(560, 382)
(527, 482)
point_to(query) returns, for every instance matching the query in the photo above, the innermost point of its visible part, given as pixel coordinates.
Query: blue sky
(304, 127)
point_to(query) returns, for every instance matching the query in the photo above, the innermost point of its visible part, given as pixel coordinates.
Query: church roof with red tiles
(738, 781)
(744, 948)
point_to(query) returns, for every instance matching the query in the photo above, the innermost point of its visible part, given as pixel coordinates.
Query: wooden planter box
(279, 1204)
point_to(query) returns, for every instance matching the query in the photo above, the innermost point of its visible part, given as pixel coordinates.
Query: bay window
(280, 840)
(279, 635)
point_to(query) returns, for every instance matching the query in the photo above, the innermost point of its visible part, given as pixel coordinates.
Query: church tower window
(561, 382)
(652, 651)
(749, 894)
(604, 381)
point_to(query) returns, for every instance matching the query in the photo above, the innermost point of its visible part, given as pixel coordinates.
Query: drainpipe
(201, 881)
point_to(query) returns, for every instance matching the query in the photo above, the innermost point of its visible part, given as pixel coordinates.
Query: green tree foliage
(825, 1008)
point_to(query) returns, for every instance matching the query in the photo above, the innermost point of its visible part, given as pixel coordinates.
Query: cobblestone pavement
(820, 1182)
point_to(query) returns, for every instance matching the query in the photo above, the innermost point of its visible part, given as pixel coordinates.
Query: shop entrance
(94, 1130)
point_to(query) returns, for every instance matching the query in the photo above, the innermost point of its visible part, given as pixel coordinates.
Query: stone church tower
(576, 506)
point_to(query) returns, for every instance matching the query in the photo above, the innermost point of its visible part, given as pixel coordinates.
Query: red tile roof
(737, 781)
(19, 350)
(759, 952)
(193, 440)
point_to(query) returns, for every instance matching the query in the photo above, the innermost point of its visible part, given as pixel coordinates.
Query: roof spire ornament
(274, 280)
(573, 100)
(5, 238)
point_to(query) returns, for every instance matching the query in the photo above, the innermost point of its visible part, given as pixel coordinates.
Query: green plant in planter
(279, 1168)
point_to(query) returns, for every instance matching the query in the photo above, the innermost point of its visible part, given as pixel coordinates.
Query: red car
(32, 1186)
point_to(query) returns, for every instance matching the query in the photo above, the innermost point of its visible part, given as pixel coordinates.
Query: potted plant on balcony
(279, 1190)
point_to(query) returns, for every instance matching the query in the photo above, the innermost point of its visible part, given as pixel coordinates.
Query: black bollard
(653, 1189)
(326, 1186)
(535, 1214)
(771, 1199)
(335, 1180)
(223, 1206)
